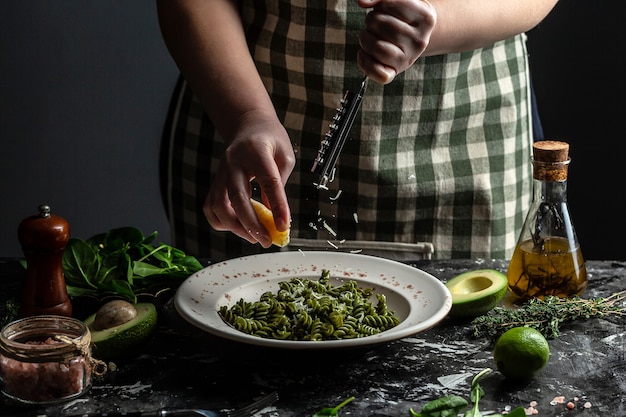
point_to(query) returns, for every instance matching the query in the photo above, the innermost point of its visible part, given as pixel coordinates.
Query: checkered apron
(437, 159)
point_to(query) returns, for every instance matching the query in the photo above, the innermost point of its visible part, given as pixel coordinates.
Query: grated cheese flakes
(336, 196)
(330, 230)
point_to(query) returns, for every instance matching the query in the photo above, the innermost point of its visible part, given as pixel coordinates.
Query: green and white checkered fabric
(441, 155)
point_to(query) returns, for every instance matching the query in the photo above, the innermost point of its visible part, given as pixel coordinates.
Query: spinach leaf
(123, 262)
(477, 393)
(452, 405)
(332, 412)
(80, 264)
(448, 406)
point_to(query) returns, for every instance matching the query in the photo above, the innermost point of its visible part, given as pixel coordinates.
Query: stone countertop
(182, 366)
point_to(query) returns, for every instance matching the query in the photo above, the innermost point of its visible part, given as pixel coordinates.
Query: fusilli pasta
(309, 310)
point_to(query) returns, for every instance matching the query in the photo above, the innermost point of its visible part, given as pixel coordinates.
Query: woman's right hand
(396, 34)
(260, 150)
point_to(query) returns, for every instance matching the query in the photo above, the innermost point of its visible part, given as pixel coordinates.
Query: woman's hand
(261, 150)
(396, 34)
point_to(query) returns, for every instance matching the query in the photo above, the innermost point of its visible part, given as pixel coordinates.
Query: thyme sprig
(547, 315)
(9, 311)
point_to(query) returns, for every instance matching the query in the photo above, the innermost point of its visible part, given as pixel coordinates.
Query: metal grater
(338, 132)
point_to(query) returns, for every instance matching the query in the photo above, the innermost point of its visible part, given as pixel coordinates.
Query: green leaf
(127, 266)
(164, 254)
(476, 394)
(451, 406)
(144, 269)
(150, 238)
(123, 236)
(122, 262)
(78, 291)
(97, 241)
(124, 289)
(80, 263)
(448, 406)
(188, 263)
(332, 411)
(108, 270)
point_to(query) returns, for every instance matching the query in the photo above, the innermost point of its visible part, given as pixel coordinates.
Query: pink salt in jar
(45, 359)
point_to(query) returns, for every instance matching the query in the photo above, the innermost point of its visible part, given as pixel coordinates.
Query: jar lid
(45, 338)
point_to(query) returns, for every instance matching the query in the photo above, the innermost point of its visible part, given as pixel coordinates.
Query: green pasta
(309, 310)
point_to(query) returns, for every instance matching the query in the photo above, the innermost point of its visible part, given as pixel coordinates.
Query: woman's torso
(439, 155)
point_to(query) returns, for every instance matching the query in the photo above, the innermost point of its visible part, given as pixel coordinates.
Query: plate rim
(182, 305)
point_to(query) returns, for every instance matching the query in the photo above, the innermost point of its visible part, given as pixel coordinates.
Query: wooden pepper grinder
(43, 238)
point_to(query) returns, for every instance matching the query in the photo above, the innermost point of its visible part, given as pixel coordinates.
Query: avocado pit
(113, 314)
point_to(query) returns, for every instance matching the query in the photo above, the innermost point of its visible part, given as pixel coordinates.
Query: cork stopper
(550, 160)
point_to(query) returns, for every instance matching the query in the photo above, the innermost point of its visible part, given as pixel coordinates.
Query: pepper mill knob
(43, 238)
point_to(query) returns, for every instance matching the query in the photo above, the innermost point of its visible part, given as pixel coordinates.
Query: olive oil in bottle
(547, 260)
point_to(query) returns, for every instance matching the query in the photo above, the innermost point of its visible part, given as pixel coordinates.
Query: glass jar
(45, 359)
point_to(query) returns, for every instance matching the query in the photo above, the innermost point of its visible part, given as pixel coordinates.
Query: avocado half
(476, 292)
(122, 340)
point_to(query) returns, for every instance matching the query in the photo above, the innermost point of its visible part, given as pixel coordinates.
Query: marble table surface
(182, 366)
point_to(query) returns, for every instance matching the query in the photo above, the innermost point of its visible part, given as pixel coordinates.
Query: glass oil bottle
(547, 260)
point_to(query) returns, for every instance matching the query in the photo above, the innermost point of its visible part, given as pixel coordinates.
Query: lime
(476, 292)
(521, 352)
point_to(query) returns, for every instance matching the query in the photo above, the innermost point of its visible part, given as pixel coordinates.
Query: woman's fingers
(265, 156)
(396, 33)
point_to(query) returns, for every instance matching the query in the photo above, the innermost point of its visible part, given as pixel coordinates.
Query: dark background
(576, 60)
(84, 90)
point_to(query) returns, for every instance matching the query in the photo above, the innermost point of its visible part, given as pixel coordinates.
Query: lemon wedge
(266, 218)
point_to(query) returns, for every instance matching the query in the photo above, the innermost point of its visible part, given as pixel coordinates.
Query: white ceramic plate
(417, 298)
